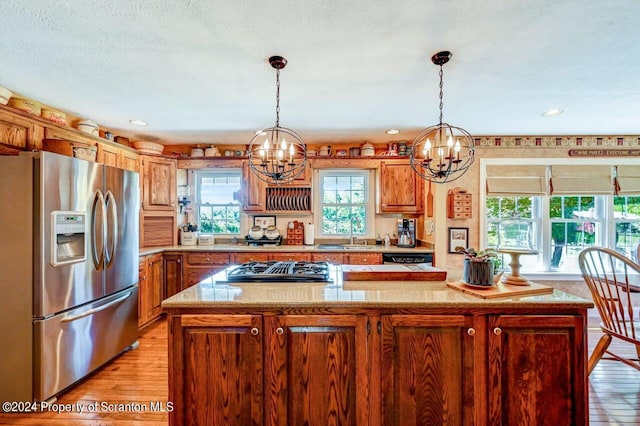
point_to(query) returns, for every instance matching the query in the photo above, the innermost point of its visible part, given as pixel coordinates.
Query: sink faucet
(352, 238)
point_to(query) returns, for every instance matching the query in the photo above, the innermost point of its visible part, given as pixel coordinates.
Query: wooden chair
(612, 278)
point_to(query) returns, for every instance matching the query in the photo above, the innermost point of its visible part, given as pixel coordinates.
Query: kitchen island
(374, 353)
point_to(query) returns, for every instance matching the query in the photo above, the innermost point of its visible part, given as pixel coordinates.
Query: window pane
(493, 207)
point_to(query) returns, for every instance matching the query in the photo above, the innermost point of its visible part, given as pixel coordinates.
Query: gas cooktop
(279, 271)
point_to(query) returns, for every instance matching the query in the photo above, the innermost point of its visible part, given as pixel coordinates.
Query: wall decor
(264, 221)
(458, 237)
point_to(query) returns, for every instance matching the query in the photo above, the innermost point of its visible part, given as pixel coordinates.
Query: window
(570, 206)
(217, 203)
(345, 202)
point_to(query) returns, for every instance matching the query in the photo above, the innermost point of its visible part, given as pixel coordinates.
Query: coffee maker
(406, 232)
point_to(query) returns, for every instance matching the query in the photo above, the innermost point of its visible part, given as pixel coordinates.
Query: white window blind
(516, 180)
(628, 180)
(583, 179)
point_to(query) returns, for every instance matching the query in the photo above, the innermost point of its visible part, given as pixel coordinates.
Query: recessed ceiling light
(138, 122)
(392, 131)
(552, 112)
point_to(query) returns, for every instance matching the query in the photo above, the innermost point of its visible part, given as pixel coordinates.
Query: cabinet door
(143, 292)
(108, 155)
(150, 288)
(253, 191)
(173, 274)
(317, 370)
(158, 183)
(401, 189)
(216, 370)
(155, 273)
(537, 370)
(19, 132)
(428, 369)
(337, 258)
(129, 161)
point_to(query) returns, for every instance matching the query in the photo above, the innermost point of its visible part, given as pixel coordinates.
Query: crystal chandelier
(442, 152)
(277, 155)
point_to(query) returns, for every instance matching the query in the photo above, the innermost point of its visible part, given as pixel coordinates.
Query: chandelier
(277, 155)
(442, 152)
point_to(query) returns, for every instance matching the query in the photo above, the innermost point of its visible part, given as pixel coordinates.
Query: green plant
(486, 255)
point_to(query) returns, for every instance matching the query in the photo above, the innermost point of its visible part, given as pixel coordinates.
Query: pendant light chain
(278, 97)
(441, 103)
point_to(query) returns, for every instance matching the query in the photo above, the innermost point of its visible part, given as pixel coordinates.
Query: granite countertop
(354, 294)
(239, 248)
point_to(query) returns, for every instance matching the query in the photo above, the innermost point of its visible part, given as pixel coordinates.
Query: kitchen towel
(308, 234)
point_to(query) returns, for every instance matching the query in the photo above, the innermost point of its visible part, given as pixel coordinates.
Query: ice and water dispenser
(68, 229)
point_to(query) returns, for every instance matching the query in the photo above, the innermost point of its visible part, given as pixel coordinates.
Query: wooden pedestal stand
(514, 277)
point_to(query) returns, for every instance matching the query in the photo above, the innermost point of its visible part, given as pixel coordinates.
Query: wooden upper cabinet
(108, 155)
(428, 370)
(316, 370)
(129, 161)
(19, 132)
(158, 183)
(253, 191)
(537, 370)
(401, 189)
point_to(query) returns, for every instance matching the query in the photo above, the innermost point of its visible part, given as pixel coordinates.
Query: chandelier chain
(278, 97)
(441, 95)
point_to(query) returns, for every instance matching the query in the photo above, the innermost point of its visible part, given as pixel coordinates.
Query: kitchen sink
(344, 247)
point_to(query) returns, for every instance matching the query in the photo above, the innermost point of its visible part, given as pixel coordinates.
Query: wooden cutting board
(397, 272)
(502, 290)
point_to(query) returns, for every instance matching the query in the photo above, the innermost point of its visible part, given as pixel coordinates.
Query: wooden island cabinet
(374, 356)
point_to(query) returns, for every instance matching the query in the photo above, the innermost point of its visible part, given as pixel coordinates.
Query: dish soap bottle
(378, 239)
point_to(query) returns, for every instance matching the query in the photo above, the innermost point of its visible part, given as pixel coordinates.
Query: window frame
(370, 211)
(198, 175)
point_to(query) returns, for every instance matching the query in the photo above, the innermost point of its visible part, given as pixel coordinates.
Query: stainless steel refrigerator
(68, 271)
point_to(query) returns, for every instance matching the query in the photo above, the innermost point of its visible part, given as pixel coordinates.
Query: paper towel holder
(309, 237)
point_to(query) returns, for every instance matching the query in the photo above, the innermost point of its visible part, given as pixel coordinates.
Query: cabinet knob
(255, 331)
(497, 331)
(178, 260)
(279, 331)
(208, 259)
(471, 331)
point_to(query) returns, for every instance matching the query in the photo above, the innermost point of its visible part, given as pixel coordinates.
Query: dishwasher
(390, 258)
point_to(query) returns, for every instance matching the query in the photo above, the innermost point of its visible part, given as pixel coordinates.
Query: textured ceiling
(197, 71)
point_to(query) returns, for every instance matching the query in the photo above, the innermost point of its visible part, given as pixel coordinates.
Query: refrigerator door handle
(112, 232)
(98, 309)
(97, 256)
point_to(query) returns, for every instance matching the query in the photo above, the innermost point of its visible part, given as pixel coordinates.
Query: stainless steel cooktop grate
(280, 271)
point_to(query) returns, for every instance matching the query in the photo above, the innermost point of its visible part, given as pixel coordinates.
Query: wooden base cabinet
(537, 370)
(376, 367)
(316, 370)
(216, 370)
(428, 368)
(150, 288)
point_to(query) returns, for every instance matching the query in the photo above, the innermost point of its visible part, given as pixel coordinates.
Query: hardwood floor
(135, 377)
(614, 388)
(140, 377)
